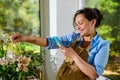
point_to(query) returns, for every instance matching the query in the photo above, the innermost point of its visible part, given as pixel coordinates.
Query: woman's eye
(80, 23)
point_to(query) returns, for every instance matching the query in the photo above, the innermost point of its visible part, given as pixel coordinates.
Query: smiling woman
(83, 50)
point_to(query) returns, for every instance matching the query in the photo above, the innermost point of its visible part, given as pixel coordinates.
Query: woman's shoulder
(101, 42)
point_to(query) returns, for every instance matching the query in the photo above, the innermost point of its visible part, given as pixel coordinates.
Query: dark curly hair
(90, 13)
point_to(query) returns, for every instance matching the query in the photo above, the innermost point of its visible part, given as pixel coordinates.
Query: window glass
(20, 16)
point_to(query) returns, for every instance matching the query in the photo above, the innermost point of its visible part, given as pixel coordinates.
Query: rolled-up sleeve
(101, 58)
(65, 40)
(51, 43)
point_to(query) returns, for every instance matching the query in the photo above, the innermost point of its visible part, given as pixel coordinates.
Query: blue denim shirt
(98, 52)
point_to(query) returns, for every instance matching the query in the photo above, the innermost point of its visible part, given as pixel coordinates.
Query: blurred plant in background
(20, 16)
(15, 62)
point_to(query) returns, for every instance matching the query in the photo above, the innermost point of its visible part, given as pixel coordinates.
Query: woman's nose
(78, 27)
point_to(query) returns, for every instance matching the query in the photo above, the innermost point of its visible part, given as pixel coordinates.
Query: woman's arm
(86, 68)
(41, 41)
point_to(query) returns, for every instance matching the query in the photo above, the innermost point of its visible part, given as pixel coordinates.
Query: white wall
(65, 12)
(56, 19)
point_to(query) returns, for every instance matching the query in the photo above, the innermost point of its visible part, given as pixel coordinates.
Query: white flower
(23, 62)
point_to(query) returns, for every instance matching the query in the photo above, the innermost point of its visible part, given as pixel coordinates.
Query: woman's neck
(90, 37)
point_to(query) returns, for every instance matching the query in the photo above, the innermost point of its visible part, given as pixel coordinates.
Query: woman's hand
(17, 37)
(68, 51)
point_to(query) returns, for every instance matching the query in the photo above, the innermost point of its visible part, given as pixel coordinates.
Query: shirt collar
(95, 38)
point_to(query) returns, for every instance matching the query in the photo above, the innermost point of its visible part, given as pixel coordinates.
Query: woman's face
(84, 26)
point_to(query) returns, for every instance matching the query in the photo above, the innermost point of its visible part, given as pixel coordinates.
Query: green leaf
(20, 75)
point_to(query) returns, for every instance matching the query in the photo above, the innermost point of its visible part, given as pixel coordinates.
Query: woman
(86, 53)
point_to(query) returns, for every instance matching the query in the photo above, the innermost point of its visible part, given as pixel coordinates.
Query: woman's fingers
(61, 47)
(15, 37)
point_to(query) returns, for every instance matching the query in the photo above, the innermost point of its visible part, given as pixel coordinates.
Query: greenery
(15, 62)
(20, 16)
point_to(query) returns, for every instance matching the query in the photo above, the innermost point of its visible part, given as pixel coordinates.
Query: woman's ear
(93, 22)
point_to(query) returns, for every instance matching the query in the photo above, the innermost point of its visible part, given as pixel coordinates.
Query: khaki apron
(69, 70)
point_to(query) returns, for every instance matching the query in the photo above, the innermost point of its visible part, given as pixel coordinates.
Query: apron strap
(88, 47)
(79, 38)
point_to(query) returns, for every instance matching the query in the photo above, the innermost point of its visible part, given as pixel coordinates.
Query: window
(21, 16)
